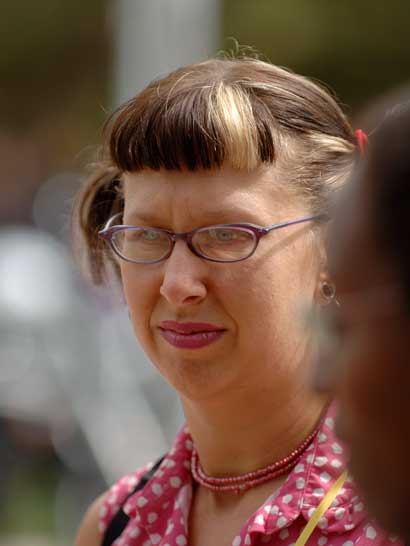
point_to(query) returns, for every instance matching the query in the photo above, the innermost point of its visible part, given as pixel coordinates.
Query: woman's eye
(222, 235)
(150, 235)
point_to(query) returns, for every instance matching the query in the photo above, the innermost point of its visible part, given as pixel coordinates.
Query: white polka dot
(127, 508)
(180, 540)
(300, 483)
(335, 503)
(284, 534)
(320, 461)
(319, 492)
(260, 520)
(247, 539)
(135, 532)
(349, 526)
(312, 445)
(101, 526)
(169, 528)
(141, 501)
(371, 532)
(132, 481)
(236, 541)
(112, 499)
(322, 437)
(348, 543)
(274, 509)
(359, 507)
(322, 523)
(282, 521)
(157, 489)
(311, 511)
(336, 463)
(267, 508)
(339, 513)
(299, 468)
(324, 476)
(322, 541)
(337, 448)
(310, 458)
(165, 505)
(147, 543)
(175, 481)
(152, 516)
(330, 422)
(155, 539)
(169, 463)
(287, 498)
(189, 445)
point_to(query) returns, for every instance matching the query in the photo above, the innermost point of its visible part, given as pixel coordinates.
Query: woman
(367, 365)
(214, 213)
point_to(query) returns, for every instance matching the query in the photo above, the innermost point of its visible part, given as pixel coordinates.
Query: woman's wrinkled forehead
(220, 195)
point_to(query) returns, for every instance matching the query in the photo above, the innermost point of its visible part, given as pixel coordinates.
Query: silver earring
(327, 291)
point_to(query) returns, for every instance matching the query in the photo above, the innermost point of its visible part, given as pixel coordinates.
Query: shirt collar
(165, 500)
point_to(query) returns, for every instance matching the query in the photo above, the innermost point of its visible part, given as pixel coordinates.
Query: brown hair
(244, 112)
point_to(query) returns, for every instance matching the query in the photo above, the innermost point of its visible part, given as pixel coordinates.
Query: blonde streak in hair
(234, 118)
(332, 143)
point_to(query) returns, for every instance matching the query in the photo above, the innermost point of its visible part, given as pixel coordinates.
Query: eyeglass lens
(217, 243)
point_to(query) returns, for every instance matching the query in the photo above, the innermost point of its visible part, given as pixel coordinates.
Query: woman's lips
(189, 335)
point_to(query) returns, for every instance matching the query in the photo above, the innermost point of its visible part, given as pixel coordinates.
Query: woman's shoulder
(104, 508)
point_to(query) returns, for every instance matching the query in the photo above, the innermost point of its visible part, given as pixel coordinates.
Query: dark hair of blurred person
(365, 357)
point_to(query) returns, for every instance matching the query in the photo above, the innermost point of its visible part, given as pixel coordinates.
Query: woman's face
(368, 367)
(251, 308)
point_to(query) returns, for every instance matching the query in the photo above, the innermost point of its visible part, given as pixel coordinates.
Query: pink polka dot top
(159, 511)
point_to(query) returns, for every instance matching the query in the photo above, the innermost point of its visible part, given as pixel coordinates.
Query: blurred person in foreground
(365, 356)
(212, 204)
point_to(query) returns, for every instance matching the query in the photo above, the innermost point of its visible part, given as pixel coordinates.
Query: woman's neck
(247, 432)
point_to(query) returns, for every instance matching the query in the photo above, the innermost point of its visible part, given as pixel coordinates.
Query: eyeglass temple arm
(323, 217)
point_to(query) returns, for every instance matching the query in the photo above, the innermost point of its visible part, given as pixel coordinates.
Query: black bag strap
(120, 520)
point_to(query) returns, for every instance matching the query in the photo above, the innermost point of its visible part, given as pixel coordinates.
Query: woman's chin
(194, 377)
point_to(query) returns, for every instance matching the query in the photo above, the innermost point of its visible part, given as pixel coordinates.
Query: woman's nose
(183, 282)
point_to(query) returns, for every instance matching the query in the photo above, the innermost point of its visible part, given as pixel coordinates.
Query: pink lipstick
(189, 335)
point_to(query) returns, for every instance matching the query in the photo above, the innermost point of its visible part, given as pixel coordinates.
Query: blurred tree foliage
(56, 57)
(359, 48)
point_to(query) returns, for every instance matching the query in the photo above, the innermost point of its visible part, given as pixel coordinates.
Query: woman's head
(222, 142)
(370, 363)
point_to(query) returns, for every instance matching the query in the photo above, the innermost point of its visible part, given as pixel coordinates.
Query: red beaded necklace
(240, 484)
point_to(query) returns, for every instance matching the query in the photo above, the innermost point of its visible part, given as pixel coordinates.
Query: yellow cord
(321, 509)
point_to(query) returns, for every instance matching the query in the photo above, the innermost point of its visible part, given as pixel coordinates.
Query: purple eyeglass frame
(257, 232)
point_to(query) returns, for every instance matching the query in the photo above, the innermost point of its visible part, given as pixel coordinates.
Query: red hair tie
(362, 140)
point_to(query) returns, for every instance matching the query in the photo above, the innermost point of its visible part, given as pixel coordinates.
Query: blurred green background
(57, 71)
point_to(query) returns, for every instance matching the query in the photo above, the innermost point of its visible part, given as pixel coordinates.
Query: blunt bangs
(192, 121)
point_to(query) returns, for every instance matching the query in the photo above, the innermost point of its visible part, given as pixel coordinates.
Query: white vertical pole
(153, 37)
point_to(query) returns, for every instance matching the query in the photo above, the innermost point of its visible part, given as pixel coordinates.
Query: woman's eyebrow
(228, 215)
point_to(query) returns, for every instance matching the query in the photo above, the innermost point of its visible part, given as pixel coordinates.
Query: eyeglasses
(223, 243)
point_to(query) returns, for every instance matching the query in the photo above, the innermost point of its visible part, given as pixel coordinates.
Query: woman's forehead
(215, 191)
